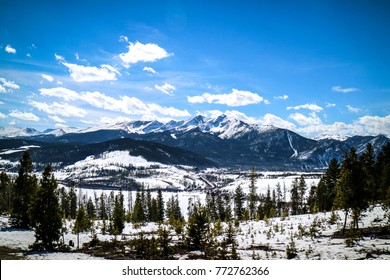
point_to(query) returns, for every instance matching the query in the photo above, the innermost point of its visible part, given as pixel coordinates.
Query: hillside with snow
(313, 236)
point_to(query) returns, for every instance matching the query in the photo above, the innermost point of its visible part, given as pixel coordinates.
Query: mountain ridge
(222, 140)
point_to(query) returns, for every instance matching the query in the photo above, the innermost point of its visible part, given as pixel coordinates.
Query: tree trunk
(345, 220)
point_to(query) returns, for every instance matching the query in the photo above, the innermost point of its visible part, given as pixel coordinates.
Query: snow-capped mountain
(14, 131)
(222, 140)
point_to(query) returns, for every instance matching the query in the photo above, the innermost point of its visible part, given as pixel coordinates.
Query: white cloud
(62, 109)
(47, 77)
(60, 92)
(166, 88)
(123, 39)
(81, 73)
(235, 98)
(366, 125)
(124, 104)
(270, 119)
(130, 105)
(7, 86)
(374, 125)
(59, 57)
(57, 119)
(303, 120)
(107, 120)
(311, 107)
(10, 49)
(282, 97)
(149, 69)
(2, 116)
(330, 105)
(142, 52)
(343, 90)
(168, 111)
(353, 109)
(23, 116)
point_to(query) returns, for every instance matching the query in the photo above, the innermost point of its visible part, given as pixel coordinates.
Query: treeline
(39, 204)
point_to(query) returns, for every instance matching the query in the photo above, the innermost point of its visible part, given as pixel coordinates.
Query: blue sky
(315, 67)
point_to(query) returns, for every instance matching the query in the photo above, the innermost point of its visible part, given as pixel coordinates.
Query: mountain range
(222, 141)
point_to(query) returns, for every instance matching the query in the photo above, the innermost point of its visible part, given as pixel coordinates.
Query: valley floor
(312, 234)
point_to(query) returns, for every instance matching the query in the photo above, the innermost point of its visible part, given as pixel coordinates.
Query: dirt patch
(7, 253)
(380, 232)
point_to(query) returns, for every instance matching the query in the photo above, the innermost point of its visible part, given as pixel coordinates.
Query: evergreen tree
(352, 187)
(228, 208)
(198, 226)
(312, 199)
(252, 197)
(24, 193)
(239, 199)
(367, 160)
(118, 216)
(153, 211)
(91, 209)
(173, 210)
(341, 199)
(267, 203)
(221, 207)
(326, 187)
(301, 192)
(160, 206)
(382, 171)
(164, 240)
(5, 193)
(103, 209)
(211, 205)
(82, 222)
(64, 202)
(73, 201)
(46, 213)
(138, 216)
(279, 199)
(295, 199)
(148, 206)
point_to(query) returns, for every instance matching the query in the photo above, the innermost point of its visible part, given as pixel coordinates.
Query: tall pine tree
(24, 193)
(252, 197)
(239, 200)
(46, 214)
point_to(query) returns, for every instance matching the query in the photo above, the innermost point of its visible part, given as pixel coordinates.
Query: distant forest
(39, 204)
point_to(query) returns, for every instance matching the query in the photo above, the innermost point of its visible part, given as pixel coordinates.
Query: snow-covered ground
(252, 237)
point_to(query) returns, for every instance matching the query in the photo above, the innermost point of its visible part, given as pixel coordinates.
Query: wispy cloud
(281, 97)
(344, 90)
(62, 109)
(353, 109)
(143, 52)
(311, 107)
(235, 98)
(149, 69)
(60, 92)
(125, 104)
(47, 77)
(10, 49)
(330, 105)
(303, 120)
(166, 88)
(7, 86)
(57, 119)
(3, 116)
(23, 116)
(81, 73)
